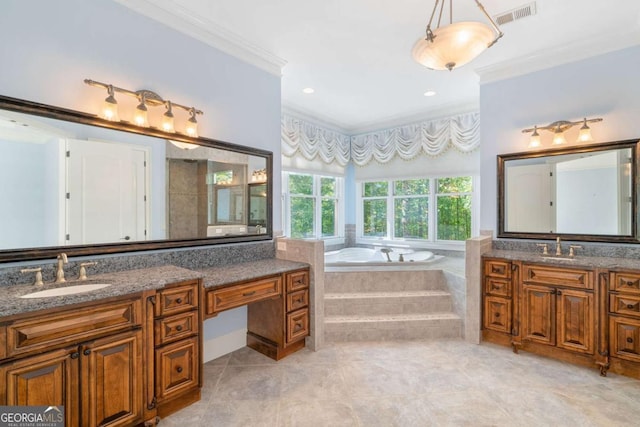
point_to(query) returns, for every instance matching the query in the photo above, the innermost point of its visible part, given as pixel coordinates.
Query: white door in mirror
(67, 290)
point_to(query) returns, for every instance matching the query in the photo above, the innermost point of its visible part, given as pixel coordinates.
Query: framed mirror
(586, 193)
(79, 184)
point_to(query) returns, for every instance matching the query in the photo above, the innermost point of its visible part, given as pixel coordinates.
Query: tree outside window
(375, 208)
(313, 202)
(454, 208)
(411, 208)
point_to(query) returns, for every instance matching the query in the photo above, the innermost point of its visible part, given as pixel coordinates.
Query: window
(311, 206)
(428, 209)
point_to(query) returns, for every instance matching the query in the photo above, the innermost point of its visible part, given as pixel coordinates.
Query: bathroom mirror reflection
(72, 183)
(581, 193)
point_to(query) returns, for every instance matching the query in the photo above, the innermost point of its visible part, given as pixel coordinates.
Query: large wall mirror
(587, 193)
(75, 183)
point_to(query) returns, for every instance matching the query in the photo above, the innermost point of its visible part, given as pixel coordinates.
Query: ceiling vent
(515, 14)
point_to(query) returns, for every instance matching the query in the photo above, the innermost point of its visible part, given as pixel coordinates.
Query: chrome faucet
(62, 260)
(386, 252)
(258, 229)
(558, 247)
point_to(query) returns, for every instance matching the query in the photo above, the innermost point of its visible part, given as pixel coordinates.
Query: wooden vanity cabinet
(178, 353)
(277, 327)
(498, 292)
(624, 322)
(95, 373)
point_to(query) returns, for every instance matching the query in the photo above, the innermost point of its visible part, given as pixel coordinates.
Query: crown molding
(564, 54)
(185, 21)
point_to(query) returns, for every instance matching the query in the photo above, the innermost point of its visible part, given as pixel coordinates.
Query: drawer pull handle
(299, 301)
(75, 355)
(248, 294)
(297, 327)
(179, 300)
(630, 306)
(630, 340)
(179, 369)
(86, 352)
(497, 314)
(179, 328)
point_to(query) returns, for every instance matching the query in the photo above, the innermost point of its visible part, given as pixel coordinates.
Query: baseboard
(219, 346)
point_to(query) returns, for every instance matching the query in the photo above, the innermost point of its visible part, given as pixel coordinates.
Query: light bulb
(140, 116)
(192, 124)
(558, 137)
(585, 133)
(110, 106)
(535, 141)
(167, 119)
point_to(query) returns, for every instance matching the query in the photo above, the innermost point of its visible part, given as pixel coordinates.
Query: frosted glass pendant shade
(453, 45)
(110, 109)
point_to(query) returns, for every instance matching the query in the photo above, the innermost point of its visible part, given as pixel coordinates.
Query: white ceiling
(356, 54)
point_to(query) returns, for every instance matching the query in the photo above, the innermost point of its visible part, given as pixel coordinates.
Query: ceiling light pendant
(110, 106)
(192, 124)
(585, 133)
(140, 116)
(167, 119)
(535, 141)
(454, 45)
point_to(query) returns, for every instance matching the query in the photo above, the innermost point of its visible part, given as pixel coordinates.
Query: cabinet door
(50, 379)
(624, 336)
(575, 321)
(111, 393)
(497, 314)
(177, 368)
(539, 314)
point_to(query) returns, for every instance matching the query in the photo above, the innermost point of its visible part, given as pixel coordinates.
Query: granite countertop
(221, 276)
(134, 281)
(122, 283)
(590, 263)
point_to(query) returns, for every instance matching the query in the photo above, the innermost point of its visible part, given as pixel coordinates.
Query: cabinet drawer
(297, 325)
(297, 280)
(558, 276)
(497, 287)
(177, 300)
(238, 295)
(626, 282)
(176, 368)
(176, 327)
(297, 299)
(497, 314)
(69, 327)
(624, 338)
(496, 268)
(625, 304)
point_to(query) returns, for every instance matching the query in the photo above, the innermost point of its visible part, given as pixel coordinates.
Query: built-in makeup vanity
(131, 353)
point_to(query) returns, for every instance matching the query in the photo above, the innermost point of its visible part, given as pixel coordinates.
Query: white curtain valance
(433, 138)
(310, 141)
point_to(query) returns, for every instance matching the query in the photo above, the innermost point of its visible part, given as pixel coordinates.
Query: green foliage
(459, 184)
(375, 218)
(328, 187)
(411, 187)
(328, 218)
(375, 189)
(454, 217)
(301, 184)
(302, 209)
(411, 218)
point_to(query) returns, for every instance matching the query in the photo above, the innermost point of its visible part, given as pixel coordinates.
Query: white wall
(49, 47)
(604, 86)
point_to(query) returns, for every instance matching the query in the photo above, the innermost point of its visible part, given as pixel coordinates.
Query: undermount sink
(67, 290)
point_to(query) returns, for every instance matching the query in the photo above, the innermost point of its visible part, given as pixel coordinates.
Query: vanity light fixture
(146, 99)
(559, 128)
(455, 44)
(259, 175)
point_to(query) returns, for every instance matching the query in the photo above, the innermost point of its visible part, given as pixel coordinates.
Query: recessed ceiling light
(308, 90)
(430, 93)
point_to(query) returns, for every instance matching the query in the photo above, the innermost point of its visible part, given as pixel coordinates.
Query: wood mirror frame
(632, 237)
(52, 112)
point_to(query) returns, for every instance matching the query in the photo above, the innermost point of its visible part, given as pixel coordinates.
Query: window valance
(312, 141)
(432, 138)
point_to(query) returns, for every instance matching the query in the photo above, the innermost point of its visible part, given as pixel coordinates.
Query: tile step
(389, 294)
(390, 318)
